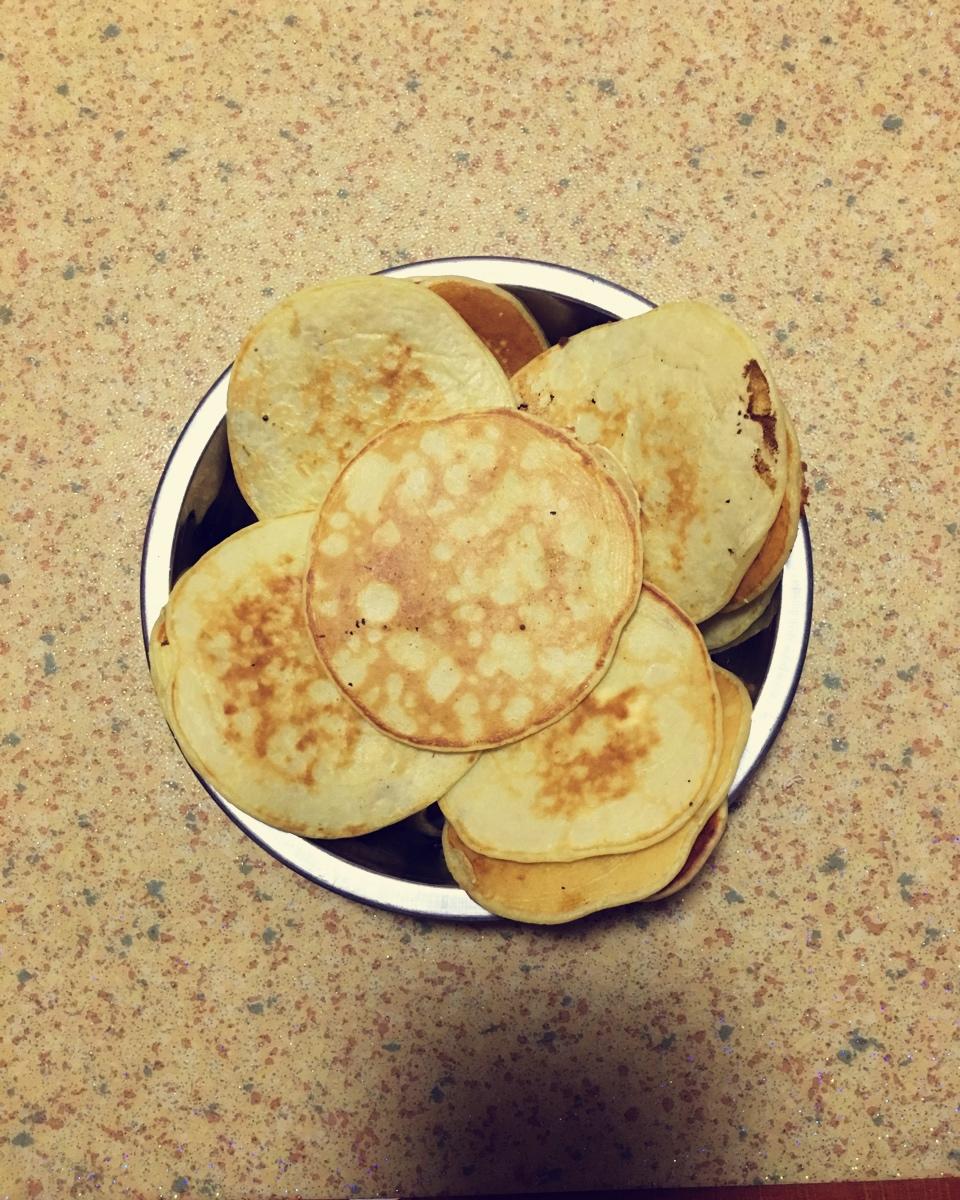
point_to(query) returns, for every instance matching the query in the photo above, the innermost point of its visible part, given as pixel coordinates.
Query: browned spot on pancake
(704, 838)
(591, 778)
(407, 387)
(570, 899)
(349, 736)
(295, 328)
(617, 708)
(162, 632)
(483, 866)
(396, 374)
(319, 391)
(681, 506)
(282, 820)
(494, 320)
(759, 404)
(310, 738)
(266, 643)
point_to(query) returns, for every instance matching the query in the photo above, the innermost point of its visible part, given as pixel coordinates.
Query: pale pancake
(729, 627)
(469, 578)
(618, 472)
(681, 397)
(163, 671)
(253, 709)
(548, 893)
(737, 713)
(625, 769)
(758, 626)
(708, 839)
(765, 569)
(329, 367)
(502, 323)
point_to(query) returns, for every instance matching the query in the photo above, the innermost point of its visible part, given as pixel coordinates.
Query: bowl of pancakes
(479, 587)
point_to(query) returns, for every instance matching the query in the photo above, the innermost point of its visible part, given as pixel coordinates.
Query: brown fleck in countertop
(181, 1015)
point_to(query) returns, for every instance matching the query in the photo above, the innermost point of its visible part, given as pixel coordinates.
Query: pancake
(616, 470)
(707, 841)
(625, 769)
(679, 394)
(329, 367)
(762, 622)
(549, 893)
(253, 709)
(498, 318)
(765, 569)
(469, 578)
(163, 672)
(730, 627)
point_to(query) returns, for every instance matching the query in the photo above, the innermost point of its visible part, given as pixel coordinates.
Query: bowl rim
(312, 860)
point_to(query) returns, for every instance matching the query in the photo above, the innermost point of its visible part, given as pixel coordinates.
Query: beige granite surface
(182, 1015)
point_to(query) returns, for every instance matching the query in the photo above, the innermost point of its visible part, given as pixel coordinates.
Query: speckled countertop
(181, 1015)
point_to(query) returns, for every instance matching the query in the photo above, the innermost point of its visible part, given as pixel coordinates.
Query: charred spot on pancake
(762, 468)
(759, 404)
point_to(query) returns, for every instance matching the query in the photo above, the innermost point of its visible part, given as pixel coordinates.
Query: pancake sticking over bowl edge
(627, 767)
(253, 709)
(680, 396)
(551, 892)
(330, 366)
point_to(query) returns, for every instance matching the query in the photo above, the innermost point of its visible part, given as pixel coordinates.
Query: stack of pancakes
(488, 573)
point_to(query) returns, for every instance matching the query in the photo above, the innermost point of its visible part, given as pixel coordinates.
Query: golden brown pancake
(681, 397)
(469, 578)
(498, 318)
(329, 367)
(548, 893)
(253, 709)
(707, 841)
(625, 769)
